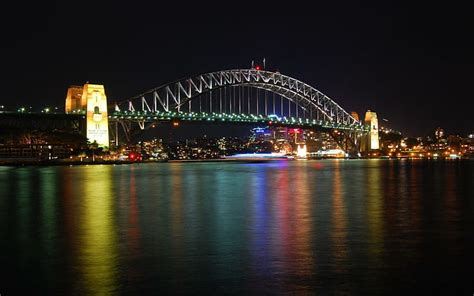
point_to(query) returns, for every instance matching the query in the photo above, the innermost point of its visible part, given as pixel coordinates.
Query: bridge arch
(179, 95)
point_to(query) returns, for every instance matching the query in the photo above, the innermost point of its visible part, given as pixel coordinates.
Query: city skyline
(383, 58)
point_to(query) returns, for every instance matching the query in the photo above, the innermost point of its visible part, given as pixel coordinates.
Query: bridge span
(238, 96)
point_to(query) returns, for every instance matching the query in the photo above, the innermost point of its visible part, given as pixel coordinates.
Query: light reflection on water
(339, 227)
(375, 215)
(343, 227)
(96, 244)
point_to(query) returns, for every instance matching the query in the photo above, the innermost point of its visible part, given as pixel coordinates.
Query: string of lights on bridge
(201, 116)
(31, 110)
(225, 117)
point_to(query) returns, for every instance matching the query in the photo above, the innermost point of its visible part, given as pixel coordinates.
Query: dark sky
(410, 63)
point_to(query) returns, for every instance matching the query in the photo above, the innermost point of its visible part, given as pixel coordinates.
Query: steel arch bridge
(238, 95)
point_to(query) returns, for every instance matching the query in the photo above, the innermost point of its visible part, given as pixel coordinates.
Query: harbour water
(386, 227)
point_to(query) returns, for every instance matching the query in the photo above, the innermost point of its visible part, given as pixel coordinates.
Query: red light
(295, 131)
(257, 67)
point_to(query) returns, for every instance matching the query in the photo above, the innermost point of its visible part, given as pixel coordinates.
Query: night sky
(411, 63)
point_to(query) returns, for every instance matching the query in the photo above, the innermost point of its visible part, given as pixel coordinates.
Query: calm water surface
(300, 227)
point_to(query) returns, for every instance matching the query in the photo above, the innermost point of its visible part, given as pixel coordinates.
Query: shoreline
(60, 163)
(18, 163)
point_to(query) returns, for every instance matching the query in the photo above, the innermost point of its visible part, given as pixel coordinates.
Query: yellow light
(94, 98)
(301, 152)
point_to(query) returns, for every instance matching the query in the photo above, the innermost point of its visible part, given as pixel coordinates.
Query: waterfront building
(34, 151)
(281, 133)
(296, 135)
(260, 134)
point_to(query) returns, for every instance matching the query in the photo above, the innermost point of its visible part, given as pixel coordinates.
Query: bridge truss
(239, 95)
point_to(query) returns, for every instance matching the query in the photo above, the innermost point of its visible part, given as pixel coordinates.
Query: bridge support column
(116, 134)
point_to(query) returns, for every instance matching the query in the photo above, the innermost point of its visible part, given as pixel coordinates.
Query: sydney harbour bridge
(237, 96)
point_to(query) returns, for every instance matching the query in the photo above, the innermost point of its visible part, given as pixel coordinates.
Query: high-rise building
(261, 134)
(296, 135)
(91, 99)
(281, 133)
(439, 133)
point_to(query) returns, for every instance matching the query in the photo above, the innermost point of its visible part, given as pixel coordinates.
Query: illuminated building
(320, 141)
(91, 99)
(297, 135)
(261, 134)
(330, 153)
(301, 151)
(371, 141)
(439, 133)
(470, 143)
(34, 151)
(281, 133)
